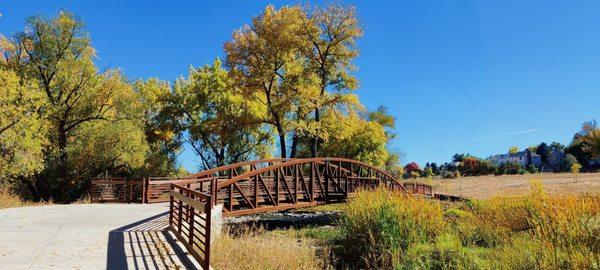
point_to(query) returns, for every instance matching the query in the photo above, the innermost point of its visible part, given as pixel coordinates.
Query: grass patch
(325, 235)
(259, 249)
(381, 229)
(334, 207)
(10, 200)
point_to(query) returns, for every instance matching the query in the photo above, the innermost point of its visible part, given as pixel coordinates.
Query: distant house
(524, 158)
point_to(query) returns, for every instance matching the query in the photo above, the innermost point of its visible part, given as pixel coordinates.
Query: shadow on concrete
(146, 244)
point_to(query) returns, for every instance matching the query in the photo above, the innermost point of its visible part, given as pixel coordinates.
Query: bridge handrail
(192, 229)
(233, 166)
(249, 174)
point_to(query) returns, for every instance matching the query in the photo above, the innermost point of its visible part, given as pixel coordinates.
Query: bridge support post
(326, 177)
(311, 183)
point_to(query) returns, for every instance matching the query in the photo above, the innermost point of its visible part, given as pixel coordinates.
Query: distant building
(524, 158)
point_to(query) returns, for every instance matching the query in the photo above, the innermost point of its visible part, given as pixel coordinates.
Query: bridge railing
(116, 190)
(297, 183)
(190, 221)
(419, 188)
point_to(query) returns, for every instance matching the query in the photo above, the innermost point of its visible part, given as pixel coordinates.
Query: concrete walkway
(89, 236)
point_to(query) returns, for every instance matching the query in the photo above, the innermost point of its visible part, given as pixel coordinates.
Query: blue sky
(460, 76)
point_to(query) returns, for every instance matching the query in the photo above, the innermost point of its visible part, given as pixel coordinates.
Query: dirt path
(88, 236)
(489, 186)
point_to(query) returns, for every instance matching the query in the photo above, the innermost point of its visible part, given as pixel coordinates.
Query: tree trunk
(281, 134)
(314, 146)
(62, 170)
(294, 146)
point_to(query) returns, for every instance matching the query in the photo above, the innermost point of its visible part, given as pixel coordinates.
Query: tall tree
(388, 122)
(224, 126)
(266, 58)
(332, 33)
(593, 143)
(544, 151)
(162, 126)
(57, 54)
(352, 136)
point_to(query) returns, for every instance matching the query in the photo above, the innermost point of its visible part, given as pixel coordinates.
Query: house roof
(518, 154)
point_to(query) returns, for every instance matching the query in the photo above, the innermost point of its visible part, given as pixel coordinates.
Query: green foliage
(288, 73)
(532, 169)
(446, 252)
(223, 124)
(162, 127)
(568, 162)
(472, 166)
(22, 129)
(593, 143)
(575, 168)
(56, 54)
(511, 168)
(354, 137)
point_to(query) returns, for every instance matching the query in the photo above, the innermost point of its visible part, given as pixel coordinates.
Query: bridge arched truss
(280, 184)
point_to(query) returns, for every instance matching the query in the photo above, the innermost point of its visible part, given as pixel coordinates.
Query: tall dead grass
(8, 200)
(258, 249)
(387, 230)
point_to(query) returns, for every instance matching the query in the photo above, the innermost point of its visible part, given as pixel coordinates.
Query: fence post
(311, 183)
(208, 211)
(326, 176)
(171, 202)
(90, 190)
(144, 189)
(126, 191)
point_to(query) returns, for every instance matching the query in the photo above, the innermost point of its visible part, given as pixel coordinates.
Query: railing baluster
(191, 220)
(255, 191)
(180, 208)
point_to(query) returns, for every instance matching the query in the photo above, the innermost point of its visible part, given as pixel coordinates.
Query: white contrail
(524, 131)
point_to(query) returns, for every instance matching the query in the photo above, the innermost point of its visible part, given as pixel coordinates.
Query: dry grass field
(482, 187)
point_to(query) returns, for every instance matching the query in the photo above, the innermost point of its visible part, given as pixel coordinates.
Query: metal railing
(117, 190)
(190, 221)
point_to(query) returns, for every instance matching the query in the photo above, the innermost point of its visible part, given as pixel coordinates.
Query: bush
(473, 166)
(447, 252)
(511, 168)
(380, 225)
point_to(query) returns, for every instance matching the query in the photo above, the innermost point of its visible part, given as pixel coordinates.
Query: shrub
(511, 168)
(532, 169)
(379, 226)
(446, 252)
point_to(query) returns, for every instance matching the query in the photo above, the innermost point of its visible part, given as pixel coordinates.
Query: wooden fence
(117, 190)
(190, 221)
(418, 188)
(158, 188)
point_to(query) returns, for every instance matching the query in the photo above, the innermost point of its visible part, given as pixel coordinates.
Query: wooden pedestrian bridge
(245, 188)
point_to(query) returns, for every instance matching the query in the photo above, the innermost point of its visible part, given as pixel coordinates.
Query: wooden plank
(187, 200)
